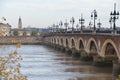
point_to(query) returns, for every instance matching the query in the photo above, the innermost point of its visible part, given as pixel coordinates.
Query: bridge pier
(62, 48)
(75, 53)
(101, 62)
(57, 47)
(47, 43)
(116, 69)
(68, 51)
(54, 46)
(85, 57)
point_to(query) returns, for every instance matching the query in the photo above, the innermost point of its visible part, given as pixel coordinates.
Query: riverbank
(37, 43)
(32, 40)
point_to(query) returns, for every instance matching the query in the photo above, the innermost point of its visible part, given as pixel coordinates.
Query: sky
(44, 13)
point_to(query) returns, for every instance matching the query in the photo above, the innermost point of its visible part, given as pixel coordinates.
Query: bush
(34, 33)
(24, 33)
(15, 33)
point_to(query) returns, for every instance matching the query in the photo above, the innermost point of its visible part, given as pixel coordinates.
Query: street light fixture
(72, 21)
(99, 24)
(94, 17)
(110, 21)
(90, 25)
(53, 26)
(60, 24)
(66, 25)
(77, 26)
(81, 21)
(57, 28)
(114, 16)
(49, 29)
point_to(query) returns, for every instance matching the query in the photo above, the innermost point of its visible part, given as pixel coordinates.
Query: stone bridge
(100, 48)
(99, 44)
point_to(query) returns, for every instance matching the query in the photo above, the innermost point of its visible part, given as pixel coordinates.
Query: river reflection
(43, 63)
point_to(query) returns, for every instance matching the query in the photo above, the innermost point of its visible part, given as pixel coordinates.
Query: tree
(24, 33)
(15, 33)
(34, 33)
(10, 67)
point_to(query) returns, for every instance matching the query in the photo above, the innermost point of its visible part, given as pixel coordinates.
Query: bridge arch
(61, 41)
(58, 41)
(110, 46)
(66, 42)
(92, 46)
(54, 40)
(80, 44)
(50, 40)
(73, 43)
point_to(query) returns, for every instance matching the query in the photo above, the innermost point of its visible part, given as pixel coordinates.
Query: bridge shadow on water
(83, 70)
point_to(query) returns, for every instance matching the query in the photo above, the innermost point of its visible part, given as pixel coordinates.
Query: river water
(44, 63)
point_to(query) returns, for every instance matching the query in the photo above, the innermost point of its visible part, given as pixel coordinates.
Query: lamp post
(81, 21)
(99, 24)
(72, 21)
(77, 26)
(53, 26)
(57, 28)
(49, 29)
(94, 17)
(90, 25)
(61, 24)
(110, 21)
(114, 16)
(66, 26)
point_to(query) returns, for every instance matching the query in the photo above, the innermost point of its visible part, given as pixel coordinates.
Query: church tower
(19, 23)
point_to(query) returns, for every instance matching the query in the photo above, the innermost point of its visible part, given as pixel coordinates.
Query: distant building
(5, 29)
(20, 23)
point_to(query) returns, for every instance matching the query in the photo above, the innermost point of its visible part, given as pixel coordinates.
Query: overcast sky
(43, 13)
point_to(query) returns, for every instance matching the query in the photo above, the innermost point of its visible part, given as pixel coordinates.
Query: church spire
(20, 23)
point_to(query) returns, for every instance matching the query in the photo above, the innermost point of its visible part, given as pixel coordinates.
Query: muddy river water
(44, 63)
